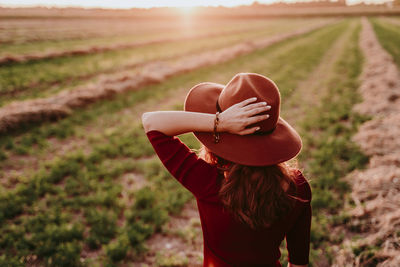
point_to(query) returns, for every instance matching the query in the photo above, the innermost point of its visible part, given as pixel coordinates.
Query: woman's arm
(233, 120)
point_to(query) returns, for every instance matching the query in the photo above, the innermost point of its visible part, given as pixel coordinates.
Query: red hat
(275, 142)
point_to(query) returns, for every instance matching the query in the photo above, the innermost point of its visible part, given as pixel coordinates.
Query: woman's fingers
(257, 110)
(255, 105)
(255, 119)
(252, 120)
(246, 101)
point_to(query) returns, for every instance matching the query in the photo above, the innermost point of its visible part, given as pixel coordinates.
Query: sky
(144, 3)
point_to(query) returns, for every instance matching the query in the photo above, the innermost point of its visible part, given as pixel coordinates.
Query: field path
(312, 89)
(376, 190)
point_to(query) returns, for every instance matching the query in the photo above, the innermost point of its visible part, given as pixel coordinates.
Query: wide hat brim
(282, 144)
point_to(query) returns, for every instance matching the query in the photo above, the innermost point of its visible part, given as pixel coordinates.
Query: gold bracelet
(216, 134)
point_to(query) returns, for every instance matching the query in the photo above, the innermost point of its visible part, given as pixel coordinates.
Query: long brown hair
(255, 195)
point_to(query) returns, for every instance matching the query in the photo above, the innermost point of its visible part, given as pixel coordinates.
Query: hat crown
(278, 137)
(246, 85)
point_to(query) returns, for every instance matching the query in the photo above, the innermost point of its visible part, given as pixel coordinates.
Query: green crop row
(389, 36)
(329, 153)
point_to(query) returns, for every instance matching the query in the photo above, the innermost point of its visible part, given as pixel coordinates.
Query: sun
(186, 10)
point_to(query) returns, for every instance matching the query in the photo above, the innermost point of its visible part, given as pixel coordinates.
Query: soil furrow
(376, 190)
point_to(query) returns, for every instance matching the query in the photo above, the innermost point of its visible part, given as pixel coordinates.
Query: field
(80, 184)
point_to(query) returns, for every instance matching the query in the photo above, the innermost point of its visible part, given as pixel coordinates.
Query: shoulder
(303, 187)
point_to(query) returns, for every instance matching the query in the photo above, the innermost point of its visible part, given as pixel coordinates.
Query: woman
(248, 197)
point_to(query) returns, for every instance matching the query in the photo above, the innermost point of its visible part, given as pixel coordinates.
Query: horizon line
(348, 3)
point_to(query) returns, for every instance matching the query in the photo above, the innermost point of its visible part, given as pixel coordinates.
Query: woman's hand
(238, 116)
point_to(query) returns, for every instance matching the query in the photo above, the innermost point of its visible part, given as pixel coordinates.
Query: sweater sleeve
(195, 174)
(298, 237)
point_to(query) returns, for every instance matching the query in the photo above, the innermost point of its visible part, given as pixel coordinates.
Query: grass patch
(389, 36)
(48, 215)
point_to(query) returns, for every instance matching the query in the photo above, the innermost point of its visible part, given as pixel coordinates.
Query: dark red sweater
(226, 241)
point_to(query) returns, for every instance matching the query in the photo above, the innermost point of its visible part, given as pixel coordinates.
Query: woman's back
(228, 242)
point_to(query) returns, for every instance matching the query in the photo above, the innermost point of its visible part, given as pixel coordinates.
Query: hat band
(218, 107)
(256, 132)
